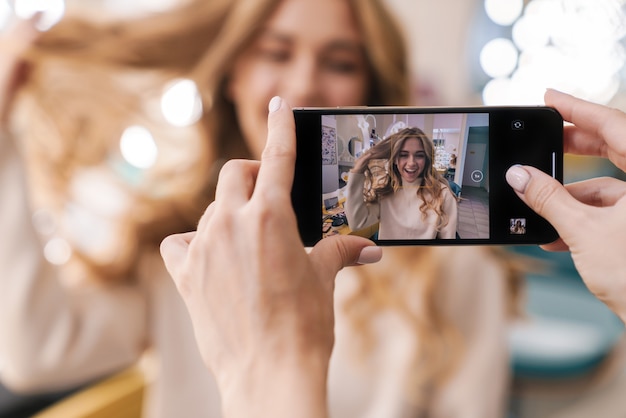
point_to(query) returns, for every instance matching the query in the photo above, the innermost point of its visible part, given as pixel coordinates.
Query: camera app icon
(517, 125)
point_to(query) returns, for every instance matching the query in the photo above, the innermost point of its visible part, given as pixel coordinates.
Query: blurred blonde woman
(69, 95)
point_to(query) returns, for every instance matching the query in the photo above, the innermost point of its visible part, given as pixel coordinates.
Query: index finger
(279, 156)
(598, 128)
(599, 192)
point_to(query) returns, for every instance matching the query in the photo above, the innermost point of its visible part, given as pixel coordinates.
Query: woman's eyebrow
(272, 35)
(344, 45)
(336, 45)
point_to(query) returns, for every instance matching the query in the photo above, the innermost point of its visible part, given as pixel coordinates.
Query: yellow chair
(118, 396)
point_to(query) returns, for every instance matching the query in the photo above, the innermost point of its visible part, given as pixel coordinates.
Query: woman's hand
(596, 131)
(14, 41)
(361, 163)
(590, 216)
(261, 306)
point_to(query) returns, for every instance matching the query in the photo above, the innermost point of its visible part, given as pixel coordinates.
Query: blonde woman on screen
(412, 200)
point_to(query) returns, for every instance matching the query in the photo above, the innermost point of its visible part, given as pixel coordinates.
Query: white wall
(437, 32)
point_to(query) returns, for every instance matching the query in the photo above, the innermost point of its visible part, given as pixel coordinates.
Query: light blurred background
(569, 362)
(468, 52)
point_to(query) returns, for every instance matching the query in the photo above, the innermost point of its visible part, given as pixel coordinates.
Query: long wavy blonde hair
(89, 80)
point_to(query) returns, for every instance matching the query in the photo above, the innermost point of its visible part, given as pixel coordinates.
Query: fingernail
(275, 104)
(370, 255)
(554, 90)
(517, 178)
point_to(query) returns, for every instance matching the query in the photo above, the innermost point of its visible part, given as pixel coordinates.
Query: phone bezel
(539, 143)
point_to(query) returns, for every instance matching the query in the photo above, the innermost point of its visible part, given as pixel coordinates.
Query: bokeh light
(43, 221)
(571, 45)
(52, 11)
(57, 251)
(498, 57)
(181, 103)
(138, 7)
(504, 12)
(5, 13)
(138, 147)
(531, 32)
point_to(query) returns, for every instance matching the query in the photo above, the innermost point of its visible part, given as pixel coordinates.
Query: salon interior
(568, 351)
(461, 150)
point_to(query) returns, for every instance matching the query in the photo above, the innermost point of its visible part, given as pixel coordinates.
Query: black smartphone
(422, 176)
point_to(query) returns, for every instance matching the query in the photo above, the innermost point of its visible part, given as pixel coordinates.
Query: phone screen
(410, 176)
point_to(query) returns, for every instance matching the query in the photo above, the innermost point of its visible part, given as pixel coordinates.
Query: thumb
(546, 196)
(334, 253)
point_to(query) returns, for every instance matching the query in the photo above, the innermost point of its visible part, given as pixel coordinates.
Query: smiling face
(411, 160)
(310, 53)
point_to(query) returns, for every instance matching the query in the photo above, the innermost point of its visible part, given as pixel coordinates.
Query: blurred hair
(415, 293)
(90, 80)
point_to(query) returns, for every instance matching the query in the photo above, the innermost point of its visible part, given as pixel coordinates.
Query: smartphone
(358, 172)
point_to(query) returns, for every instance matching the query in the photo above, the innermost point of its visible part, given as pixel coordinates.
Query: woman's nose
(300, 83)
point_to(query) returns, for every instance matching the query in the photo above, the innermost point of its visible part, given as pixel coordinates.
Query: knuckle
(278, 151)
(232, 166)
(265, 216)
(343, 252)
(615, 122)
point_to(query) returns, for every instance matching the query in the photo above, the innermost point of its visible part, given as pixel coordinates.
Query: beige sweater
(399, 213)
(54, 336)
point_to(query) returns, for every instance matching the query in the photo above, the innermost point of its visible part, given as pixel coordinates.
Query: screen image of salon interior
(461, 143)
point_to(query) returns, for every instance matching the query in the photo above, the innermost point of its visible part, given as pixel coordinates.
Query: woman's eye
(341, 66)
(275, 55)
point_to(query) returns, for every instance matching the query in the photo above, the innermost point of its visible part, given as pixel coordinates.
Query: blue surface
(568, 331)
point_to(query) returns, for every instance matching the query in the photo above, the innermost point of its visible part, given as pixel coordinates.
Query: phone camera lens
(517, 125)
